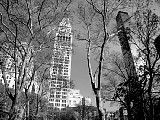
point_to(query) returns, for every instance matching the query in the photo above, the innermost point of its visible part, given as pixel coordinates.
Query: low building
(75, 98)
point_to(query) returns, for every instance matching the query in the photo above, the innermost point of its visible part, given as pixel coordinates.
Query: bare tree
(144, 29)
(27, 28)
(96, 17)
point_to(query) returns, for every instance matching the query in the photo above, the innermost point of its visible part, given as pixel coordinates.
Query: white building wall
(61, 66)
(75, 98)
(10, 70)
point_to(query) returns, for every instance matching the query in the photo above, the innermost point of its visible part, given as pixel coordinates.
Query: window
(54, 72)
(51, 104)
(57, 100)
(53, 85)
(65, 73)
(66, 62)
(63, 101)
(65, 70)
(64, 89)
(66, 65)
(58, 92)
(63, 105)
(58, 96)
(54, 69)
(65, 77)
(51, 96)
(57, 104)
(51, 99)
(64, 93)
(7, 77)
(64, 97)
(53, 82)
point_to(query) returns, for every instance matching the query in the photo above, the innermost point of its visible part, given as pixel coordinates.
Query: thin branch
(95, 8)
(88, 61)
(40, 14)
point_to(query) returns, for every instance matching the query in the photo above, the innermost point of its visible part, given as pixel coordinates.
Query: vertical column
(132, 82)
(122, 24)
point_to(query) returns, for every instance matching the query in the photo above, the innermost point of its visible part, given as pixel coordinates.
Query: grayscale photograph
(79, 59)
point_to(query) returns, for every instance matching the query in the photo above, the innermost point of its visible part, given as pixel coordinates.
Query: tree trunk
(37, 107)
(12, 113)
(129, 110)
(98, 103)
(121, 113)
(26, 105)
(151, 107)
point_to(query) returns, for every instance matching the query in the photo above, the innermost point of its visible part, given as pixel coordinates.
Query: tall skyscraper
(61, 67)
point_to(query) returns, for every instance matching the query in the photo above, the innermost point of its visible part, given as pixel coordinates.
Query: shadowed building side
(132, 97)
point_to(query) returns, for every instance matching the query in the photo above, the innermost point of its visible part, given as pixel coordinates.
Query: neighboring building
(61, 67)
(9, 69)
(75, 98)
(7, 62)
(7, 65)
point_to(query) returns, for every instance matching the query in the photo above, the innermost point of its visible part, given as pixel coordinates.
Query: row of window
(61, 59)
(58, 100)
(60, 69)
(65, 73)
(56, 109)
(55, 89)
(64, 37)
(57, 104)
(60, 66)
(59, 87)
(60, 78)
(58, 96)
(63, 93)
(65, 70)
(67, 44)
(61, 62)
(58, 82)
(54, 82)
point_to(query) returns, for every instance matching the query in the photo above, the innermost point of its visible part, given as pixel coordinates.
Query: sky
(79, 70)
(79, 73)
